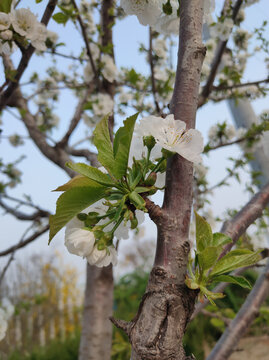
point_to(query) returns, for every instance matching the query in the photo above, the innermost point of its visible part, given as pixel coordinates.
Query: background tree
(94, 89)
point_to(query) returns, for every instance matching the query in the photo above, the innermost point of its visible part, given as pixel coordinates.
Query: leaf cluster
(210, 267)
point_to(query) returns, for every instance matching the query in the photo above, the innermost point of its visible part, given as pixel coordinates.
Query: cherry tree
(155, 149)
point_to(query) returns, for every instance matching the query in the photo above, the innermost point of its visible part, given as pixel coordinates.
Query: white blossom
(4, 21)
(23, 21)
(102, 258)
(3, 325)
(160, 48)
(222, 30)
(5, 48)
(6, 35)
(52, 36)
(102, 104)
(147, 11)
(8, 307)
(200, 170)
(109, 70)
(168, 24)
(88, 72)
(209, 7)
(78, 240)
(172, 135)
(38, 37)
(15, 140)
(124, 97)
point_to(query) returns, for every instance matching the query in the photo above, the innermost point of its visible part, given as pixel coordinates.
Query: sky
(40, 176)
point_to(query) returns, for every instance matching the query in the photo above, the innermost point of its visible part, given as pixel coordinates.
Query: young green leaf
(76, 182)
(234, 260)
(221, 239)
(238, 280)
(121, 146)
(92, 173)
(204, 235)
(60, 18)
(103, 144)
(72, 202)
(5, 6)
(208, 257)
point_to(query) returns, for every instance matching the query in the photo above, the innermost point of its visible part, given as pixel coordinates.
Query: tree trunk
(157, 330)
(96, 334)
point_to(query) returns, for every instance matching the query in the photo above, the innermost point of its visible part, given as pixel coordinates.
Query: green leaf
(76, 182)
(92, 173)
(5, 6)
(103, 144)
(167, 8)
(239, 280)
(204, 237)
(72, 202)
(38, 1)
(121, 146)
(208, 257)
(221, 239)
(234, 260)
(60, 18)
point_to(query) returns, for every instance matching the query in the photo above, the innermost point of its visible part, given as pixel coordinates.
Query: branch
(155, 212)
(86, 41)
(91, 157)
(22, 216)
(4, 97)
(153, 84)
(236, 86)
(25, 242)
(6, 267)
(245, 217)
(248, 312)
(71, 57)
(217, 60)
(77, 116)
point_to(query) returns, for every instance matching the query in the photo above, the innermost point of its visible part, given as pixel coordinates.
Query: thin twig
(6, 267)
(13, 85)
(217, 60)
(245, 217)
(22, 216)
(86, 41)
(77, 116)
(152, 75)
(236, 86)
(25, 242)
(70, 57)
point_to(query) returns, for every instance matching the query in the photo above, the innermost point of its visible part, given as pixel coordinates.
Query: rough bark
(158, 328)
(96, 335)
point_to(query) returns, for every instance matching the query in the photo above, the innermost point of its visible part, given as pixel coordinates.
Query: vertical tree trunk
(96, 334)
(157, 330)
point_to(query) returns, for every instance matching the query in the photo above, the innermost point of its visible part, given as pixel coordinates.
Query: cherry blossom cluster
(90, 234)
(81, 241)
(161, 15)
(21, 26)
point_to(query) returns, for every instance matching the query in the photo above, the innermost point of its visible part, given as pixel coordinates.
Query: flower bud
(149, 142)
(134, 223)
(137, 200)
(151, 179)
